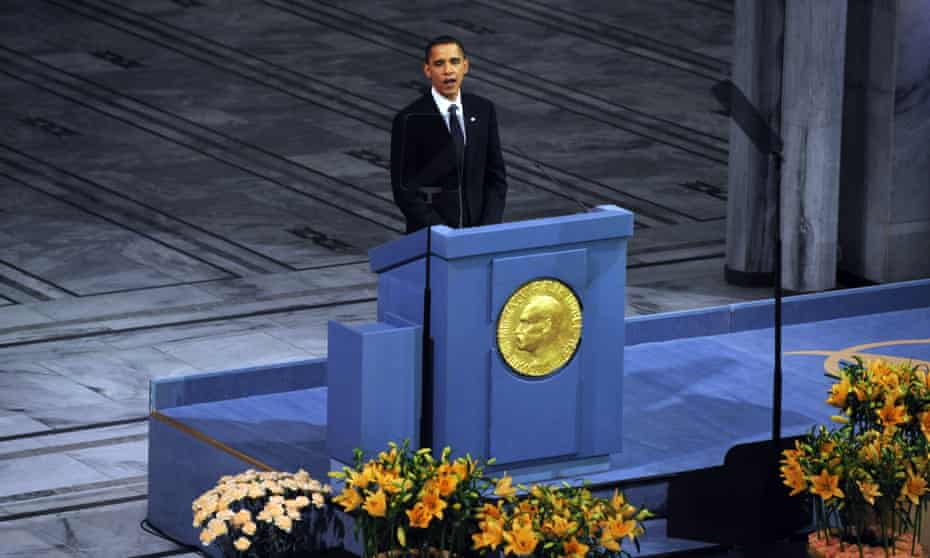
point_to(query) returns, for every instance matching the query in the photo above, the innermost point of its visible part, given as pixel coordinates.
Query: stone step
(184, 304)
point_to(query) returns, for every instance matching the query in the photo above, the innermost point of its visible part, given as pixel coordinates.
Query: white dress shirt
(443, 105)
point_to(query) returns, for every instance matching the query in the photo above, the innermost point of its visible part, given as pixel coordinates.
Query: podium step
(655, 543)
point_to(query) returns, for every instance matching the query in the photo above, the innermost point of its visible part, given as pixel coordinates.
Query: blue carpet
(686, 401)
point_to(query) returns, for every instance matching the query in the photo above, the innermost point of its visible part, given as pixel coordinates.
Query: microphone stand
(775, 159)
(426, 365)
(426, 402)
(766, 140)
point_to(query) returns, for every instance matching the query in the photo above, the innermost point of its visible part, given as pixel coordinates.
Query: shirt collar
(443, 104)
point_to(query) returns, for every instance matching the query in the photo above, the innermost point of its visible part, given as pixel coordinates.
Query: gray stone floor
(192, 185)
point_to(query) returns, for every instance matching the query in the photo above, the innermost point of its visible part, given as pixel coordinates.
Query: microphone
(585, 207)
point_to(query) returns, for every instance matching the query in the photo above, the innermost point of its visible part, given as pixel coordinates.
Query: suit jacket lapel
(472, 128)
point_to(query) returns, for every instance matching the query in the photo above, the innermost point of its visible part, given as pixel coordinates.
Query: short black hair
(442, 40)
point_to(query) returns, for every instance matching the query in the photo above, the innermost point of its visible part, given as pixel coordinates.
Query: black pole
(766, 140)
(776, 265)
(426, 395)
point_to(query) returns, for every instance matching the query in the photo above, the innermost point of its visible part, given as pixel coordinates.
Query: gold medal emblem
(539, 328)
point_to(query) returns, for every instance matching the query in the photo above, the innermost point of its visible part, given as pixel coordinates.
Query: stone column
(909, 217)
(812, 110)
(867, 170)
(885, 201)
(757, 69)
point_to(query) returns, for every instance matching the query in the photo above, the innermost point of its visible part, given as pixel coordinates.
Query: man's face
(446, 68)
(533, 329)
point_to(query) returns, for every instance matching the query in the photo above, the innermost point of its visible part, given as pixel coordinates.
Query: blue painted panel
(390, 406)
(400, 292)
(608, 222)
(344, 399)
(374, 387)
(177, 391)
(535, 419)
(834, 304)
(676, 325)
(294, 421)
(181, 468)
(602, 382)
(397, 252)
(510, 273)
(461, 329)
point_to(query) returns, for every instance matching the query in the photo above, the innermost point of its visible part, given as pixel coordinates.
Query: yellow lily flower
(826, 485)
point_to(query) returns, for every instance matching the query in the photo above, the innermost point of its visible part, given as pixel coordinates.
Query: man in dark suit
(446, 162)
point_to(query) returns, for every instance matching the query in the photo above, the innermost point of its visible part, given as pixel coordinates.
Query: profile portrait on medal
(539, 327)
(540, 324)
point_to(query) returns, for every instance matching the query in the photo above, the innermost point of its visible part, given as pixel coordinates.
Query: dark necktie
(458, 138)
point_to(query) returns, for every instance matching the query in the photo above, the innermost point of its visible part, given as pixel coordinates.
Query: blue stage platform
(696, 383)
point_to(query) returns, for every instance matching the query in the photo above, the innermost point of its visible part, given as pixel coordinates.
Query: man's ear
(426, 71)
(465, 66)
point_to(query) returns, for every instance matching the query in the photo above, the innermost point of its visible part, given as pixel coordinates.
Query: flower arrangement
(262, 514)
(551, 522)
(408, 502)
(869, 476)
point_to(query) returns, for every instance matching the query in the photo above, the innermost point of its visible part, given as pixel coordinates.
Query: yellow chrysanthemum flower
(249, 528)
(284, 523)
(217, 527)
(199, 517)
(241, 518)
(242, 544)
(206, 537)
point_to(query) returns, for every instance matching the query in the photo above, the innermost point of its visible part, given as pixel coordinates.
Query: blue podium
(484, 404)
